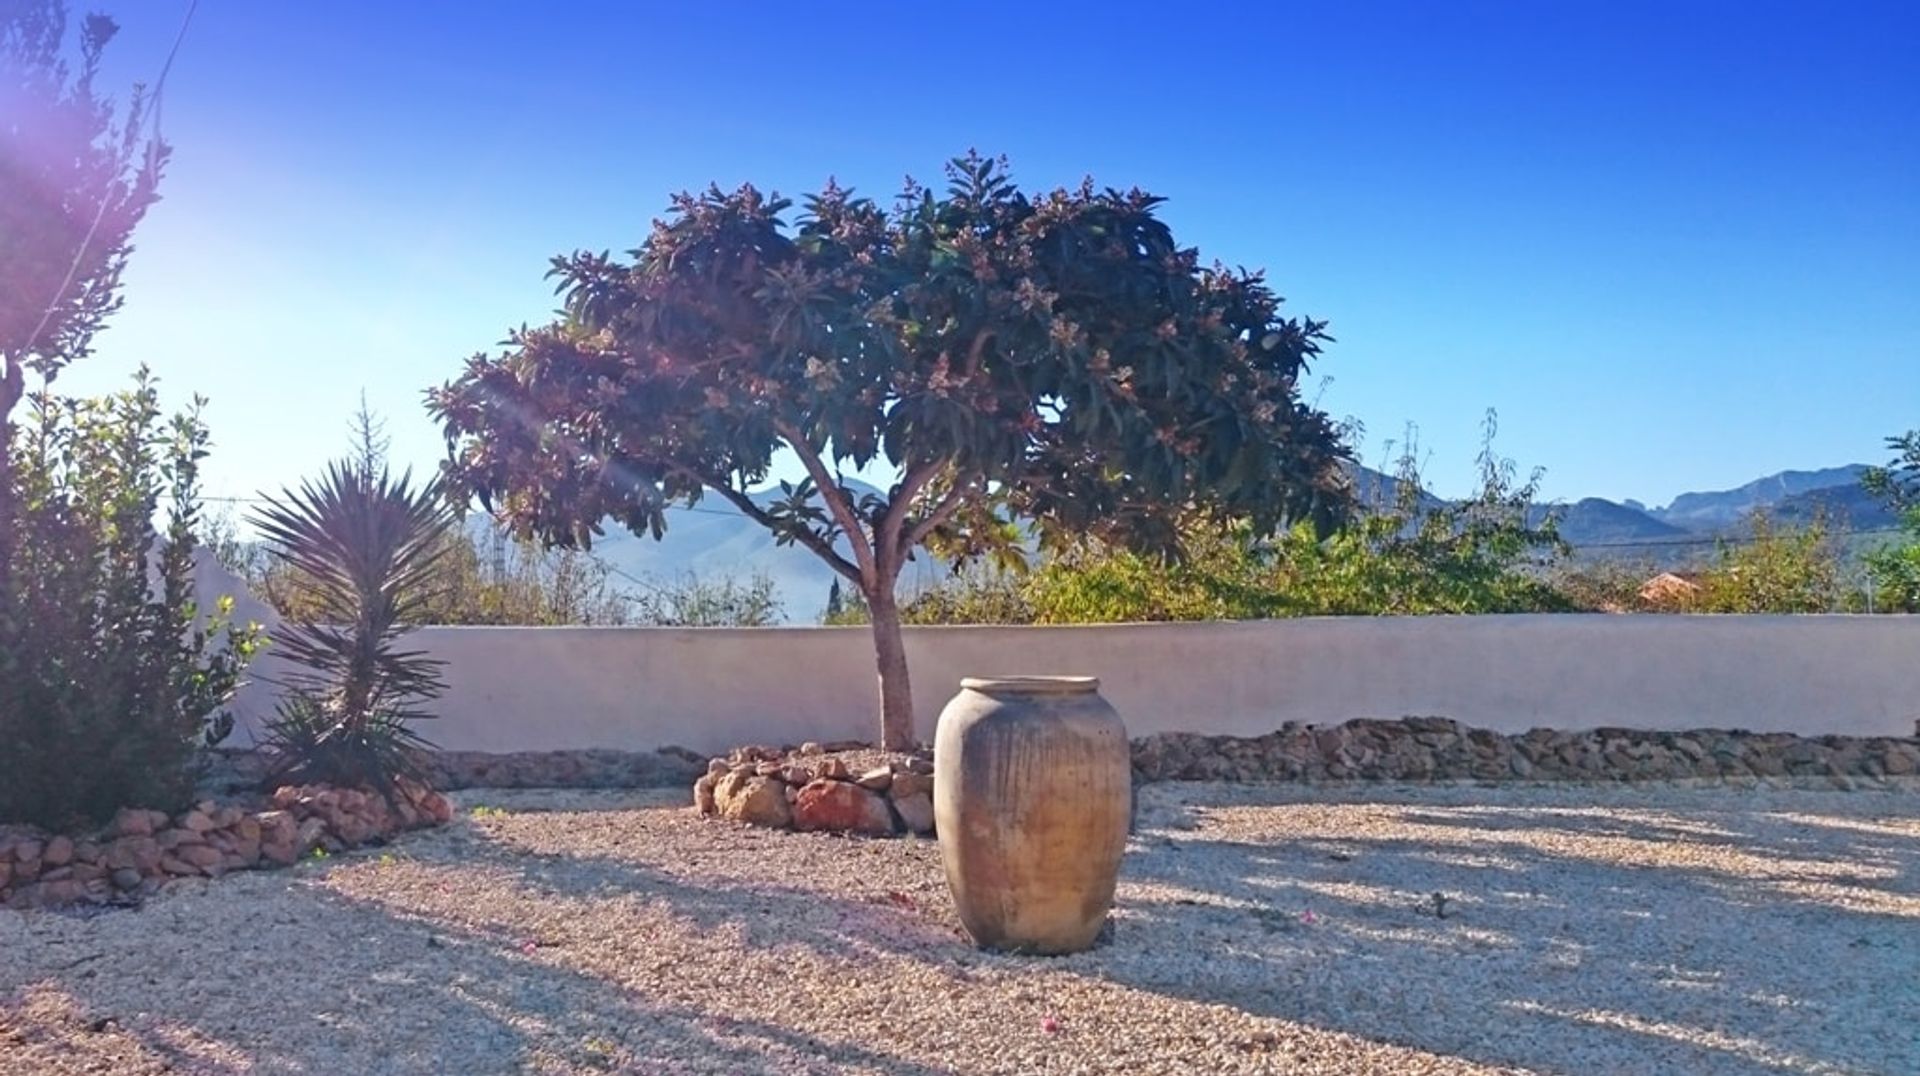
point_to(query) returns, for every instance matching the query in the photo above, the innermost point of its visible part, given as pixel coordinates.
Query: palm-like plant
(364, 550)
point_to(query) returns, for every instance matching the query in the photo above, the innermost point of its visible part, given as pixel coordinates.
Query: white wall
(524, 689)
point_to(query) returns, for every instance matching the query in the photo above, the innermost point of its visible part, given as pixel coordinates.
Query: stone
(279, 852)
(129, 822)
(85, 873)
(797, 775)
(197, 821)
(65, 891)
(916, 812)
(834, 769)
(204, 857)
(58, 852)
(26, 870)
(173, 838)
(309, 835)
(813, 748)
(920, 765)
(768, 769)
(86, 851)
(29, 848)
(125, 878)
(276, 825)
(759, 801)
(878, 780)
(703, 794)
(177, 867)
(911, 784)
(437, 807)
(718, 766)
(841, 806)
(138, 853)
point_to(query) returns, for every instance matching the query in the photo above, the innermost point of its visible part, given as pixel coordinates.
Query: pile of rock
(839, 788)
(1440, 749)
(141, 851)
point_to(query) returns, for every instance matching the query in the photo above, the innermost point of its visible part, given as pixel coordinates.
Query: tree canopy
(1055, 359)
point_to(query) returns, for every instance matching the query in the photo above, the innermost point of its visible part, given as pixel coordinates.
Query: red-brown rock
(131, 822)
(140, 853)
(58, 853)
(841, 807)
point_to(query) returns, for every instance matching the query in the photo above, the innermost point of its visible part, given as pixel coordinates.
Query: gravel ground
(1283, 929)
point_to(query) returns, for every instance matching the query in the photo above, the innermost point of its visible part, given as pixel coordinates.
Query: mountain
(1598, 522)
(713, 541)
(1843, 507)
(1725, 509)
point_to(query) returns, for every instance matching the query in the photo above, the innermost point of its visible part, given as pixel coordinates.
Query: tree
(1056, 359)
(1895, 567)
(73, 184)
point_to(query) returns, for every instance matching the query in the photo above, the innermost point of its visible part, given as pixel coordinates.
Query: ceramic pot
(1032, 789)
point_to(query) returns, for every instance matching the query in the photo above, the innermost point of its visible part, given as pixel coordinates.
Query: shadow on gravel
(1542, 953)
(1753, 970)
(500, 1001)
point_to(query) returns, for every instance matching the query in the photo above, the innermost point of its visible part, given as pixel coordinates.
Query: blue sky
(1676, 245)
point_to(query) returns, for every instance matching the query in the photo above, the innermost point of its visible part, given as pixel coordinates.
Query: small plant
(483, 812)
(364, 548)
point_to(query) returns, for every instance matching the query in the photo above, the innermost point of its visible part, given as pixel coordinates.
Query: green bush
(110, 673)
(1774, 570)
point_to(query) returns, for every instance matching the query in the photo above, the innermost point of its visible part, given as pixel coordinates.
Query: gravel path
(1288, 929)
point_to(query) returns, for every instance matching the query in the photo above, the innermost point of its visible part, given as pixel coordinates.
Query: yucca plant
(364, 551)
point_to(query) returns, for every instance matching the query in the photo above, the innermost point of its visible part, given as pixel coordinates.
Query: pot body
(1032, 791)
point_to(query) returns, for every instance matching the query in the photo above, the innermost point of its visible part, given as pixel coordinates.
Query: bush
(1774, 570)
(110, 673)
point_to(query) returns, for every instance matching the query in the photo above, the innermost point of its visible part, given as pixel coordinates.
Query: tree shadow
(500, 997)
(1520, 963)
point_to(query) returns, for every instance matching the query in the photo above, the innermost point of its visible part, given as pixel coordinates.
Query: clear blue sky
(1677, 245)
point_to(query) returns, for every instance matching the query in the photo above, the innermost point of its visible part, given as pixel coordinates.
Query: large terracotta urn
(1032, 789)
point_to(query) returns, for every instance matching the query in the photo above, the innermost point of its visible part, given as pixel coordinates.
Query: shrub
(364, 552)
(1773, 570)
(110, 672)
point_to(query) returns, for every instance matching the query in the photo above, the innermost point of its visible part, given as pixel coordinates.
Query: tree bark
(890, 652)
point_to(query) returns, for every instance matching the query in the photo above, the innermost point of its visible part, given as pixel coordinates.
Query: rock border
(1440, 749)
(142, 851)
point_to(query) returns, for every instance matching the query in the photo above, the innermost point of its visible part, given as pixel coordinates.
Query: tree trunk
(890, 650)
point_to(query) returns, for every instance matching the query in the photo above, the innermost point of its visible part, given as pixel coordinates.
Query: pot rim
(1030, 685)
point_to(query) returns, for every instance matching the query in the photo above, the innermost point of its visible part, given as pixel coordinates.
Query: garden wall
(546, 689)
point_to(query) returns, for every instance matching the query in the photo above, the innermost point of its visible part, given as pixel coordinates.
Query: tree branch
(916, 479)
(943, 511)
(819, 546)
(974, 351)
(836, 502)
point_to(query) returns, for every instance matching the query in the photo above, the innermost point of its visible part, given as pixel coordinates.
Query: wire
(100, 214)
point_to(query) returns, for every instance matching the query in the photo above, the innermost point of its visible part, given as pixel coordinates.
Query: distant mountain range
(713, 540)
